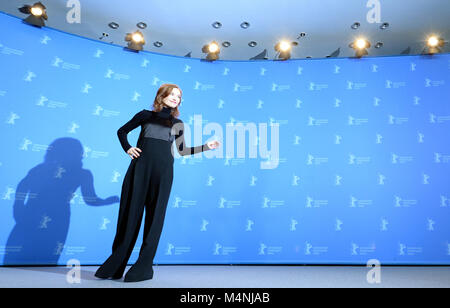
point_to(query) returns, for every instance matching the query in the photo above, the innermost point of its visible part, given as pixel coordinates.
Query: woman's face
(173, 99)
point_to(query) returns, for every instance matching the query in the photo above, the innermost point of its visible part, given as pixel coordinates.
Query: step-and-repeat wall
(322, 161)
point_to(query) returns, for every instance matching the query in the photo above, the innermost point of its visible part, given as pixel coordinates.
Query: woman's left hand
(213, 144)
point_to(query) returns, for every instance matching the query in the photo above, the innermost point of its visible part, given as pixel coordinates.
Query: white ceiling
(185, 26)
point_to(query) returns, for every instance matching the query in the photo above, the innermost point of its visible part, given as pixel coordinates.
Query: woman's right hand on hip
(134, 152)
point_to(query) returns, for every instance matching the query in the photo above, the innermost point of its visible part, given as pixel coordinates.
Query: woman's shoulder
(147, 114)
(144, 114)
(141, 115)
(177, 120)
(146, 111)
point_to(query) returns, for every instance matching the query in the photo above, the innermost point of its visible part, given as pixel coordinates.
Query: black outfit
(148, 182)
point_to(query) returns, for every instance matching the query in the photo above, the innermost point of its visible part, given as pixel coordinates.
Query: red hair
(164, 91)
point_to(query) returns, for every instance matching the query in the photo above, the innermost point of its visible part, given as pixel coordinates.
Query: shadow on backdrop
(42, 204)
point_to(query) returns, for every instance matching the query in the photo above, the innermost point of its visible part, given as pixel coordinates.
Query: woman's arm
(129, 126)
(181, 142)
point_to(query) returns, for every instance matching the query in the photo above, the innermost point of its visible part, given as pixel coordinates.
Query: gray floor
(235, 276)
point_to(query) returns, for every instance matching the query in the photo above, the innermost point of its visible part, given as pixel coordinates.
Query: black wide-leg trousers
(147, 184)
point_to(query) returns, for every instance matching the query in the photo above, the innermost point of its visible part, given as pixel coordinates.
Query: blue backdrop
(362, 173)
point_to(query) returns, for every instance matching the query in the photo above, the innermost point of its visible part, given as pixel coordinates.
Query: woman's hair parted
(163, 91)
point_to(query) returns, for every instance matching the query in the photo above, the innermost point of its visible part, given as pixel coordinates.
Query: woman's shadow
(42, 202)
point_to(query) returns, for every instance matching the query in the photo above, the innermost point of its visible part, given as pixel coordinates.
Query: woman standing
(147, 183)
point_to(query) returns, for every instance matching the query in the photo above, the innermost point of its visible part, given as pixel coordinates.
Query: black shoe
(135, 275)
(101, 275)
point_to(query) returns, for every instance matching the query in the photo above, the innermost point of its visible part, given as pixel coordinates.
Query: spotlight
(284, 49)
(104, 34)
(135, 40)
(433, 43)
(212, 50)
(37, 14)
(360, 45)
(213, 47)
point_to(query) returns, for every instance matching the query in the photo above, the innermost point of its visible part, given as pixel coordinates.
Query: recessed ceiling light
(384, 25)
(141, 25)
(245, 25)
(216, 25)
(356, 25)
(226, 44)
(113, 25)
(157, 44)
(379, 45)
(252, 44)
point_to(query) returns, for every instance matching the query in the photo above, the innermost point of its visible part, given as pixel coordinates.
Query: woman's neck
(166, 109)
(165, 112)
